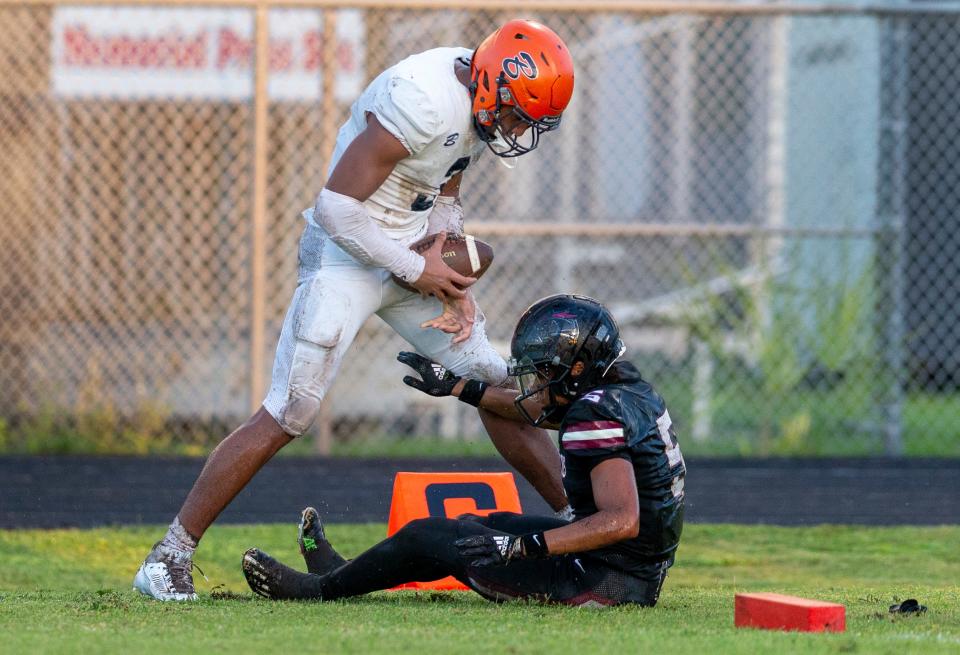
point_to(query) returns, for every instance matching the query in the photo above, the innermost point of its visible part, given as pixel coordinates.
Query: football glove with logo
(434, 380)
(437, 381)
(497, 549)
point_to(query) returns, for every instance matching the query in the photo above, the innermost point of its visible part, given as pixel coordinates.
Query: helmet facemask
(544, 365)
(502, 142)
(541, 380)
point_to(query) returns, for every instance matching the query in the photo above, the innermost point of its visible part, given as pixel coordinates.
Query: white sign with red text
(140, 52)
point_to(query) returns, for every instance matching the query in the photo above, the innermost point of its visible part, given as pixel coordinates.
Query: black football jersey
(627, 418)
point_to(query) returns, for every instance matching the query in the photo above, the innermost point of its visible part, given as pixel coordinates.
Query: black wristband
(473, 391)
(534, 545)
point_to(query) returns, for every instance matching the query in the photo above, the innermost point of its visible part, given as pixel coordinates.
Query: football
(463, 253)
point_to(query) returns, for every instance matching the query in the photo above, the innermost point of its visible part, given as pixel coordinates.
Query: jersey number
(667, 434)
(458, 166)
(425, 202)
(422, 203)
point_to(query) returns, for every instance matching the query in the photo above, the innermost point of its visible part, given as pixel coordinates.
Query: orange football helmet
(526, 69)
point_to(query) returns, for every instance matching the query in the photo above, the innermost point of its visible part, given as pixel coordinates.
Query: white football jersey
(422, 103)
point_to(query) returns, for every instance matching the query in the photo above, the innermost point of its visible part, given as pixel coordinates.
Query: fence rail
(728, 8)
(764, 192)
(544, 227)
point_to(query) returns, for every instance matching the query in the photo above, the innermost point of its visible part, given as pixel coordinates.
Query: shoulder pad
(404, 108)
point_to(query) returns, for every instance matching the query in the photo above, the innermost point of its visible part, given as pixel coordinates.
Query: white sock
(178, 543)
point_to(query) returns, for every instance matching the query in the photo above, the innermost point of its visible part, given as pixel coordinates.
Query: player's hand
(489, 549)
(437, 278)
(434, 380)
(458, 317)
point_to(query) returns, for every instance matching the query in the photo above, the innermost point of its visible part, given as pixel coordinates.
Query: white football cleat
(165, 578)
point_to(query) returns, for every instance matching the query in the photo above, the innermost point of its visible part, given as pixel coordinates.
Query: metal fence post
(258, 249)
(891, 214)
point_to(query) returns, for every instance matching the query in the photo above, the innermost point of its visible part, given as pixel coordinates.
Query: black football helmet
(551, 336)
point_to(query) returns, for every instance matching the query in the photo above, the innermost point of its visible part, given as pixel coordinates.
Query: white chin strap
(500, 145)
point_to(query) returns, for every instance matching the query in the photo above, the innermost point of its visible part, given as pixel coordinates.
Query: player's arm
(367, 162)
(502, 402)
(361, 170)
(617, 518)
(618, 511)
(438, 382)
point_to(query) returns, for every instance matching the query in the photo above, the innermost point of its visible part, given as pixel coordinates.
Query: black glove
(435, 379)
(494, 549)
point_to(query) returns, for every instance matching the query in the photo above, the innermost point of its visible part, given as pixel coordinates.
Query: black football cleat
(317, 552)
(269, 578)
(909, 606)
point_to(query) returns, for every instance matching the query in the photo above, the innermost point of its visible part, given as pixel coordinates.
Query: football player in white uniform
(394, 178)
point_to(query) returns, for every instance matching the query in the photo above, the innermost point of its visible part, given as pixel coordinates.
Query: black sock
(322, 558)
(421, 551)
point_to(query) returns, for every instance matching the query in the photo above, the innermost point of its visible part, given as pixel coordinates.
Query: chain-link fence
(765, 195)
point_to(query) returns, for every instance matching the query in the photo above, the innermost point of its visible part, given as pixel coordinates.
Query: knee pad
(319, 317)
(311, 373)
(300, 412)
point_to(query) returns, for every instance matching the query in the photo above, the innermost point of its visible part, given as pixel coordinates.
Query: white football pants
(335, 295)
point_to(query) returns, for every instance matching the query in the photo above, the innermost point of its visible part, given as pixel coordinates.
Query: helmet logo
(522, 63)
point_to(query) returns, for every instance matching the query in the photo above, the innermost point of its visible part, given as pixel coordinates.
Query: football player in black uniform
(622, 470)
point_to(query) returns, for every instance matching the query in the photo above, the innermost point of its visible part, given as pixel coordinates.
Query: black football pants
(424, 550)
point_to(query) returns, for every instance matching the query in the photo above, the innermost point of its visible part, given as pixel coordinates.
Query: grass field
(69, 591)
